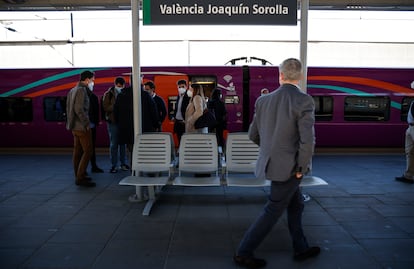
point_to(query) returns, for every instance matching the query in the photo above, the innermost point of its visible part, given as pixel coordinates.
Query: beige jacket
(194, 110)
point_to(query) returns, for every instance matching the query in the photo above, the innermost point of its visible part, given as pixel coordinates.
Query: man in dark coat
(162, 110)
(124, 116)
(94, 120)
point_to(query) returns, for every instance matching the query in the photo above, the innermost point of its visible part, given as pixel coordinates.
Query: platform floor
(363, 219)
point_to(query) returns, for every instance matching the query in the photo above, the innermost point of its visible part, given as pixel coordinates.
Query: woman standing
(195, 109)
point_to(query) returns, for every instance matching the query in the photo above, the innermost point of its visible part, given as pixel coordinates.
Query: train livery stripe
(47, 80)
(67, 86)
(350, 91)
(364, 81)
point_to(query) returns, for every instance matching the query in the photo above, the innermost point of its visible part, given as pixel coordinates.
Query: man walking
(283, 127)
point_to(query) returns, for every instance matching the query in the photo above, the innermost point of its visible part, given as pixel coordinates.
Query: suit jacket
(186, 100)
(283, 127)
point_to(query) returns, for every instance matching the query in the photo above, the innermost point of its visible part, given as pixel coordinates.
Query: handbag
(208, 119)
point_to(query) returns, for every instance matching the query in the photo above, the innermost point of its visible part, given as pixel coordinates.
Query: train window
(405, 106)
(209, 83)
(16, 109)
(54, 108)
(323, 108)
(367, 108)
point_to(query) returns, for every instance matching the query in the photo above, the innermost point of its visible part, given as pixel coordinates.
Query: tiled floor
(362, 219)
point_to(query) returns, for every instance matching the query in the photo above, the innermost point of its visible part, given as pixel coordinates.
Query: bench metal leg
(151, 200)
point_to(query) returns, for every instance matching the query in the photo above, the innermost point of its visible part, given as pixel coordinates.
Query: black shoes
(97, 170)
(249, 262)
(113, 170)
(309, 253)
(404, 179)
(85, 183)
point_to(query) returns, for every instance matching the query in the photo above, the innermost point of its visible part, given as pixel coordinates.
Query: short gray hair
(291, 69)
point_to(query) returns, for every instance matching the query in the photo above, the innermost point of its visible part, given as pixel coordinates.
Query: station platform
(363, 219)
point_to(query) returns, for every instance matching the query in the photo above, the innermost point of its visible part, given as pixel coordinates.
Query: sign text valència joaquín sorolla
(220, 12)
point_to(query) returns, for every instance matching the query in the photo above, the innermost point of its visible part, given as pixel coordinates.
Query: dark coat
(219, 111)
(162, 110)
(93, 107)
(124, 115)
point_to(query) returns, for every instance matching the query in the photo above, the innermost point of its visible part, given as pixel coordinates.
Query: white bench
(241, 158)
(198, 154)
(152, 166)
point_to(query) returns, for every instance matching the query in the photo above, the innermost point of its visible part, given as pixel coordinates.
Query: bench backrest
(241, 153)
(152, 152)
(198, 153)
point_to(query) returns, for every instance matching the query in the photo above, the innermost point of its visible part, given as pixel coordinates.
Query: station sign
(220, 12)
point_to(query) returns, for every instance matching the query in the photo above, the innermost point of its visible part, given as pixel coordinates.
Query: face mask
(181, 90)
(190, 94)
(118, 89)
(90, 85)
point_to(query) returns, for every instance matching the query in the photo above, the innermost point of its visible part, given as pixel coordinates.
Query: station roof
(68, 5)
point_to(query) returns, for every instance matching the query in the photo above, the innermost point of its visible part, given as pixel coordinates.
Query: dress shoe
(404, 179)
(85, 183)
(249, 262)
(97, 170)
(308, 253)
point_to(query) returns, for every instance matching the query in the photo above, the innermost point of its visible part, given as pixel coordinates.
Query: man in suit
(149, 86)
(180, 107)
(283, 127)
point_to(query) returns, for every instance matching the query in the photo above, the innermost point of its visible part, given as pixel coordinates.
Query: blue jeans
(283, 195)
(114, 145)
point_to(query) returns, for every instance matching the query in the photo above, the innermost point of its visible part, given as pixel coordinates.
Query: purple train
(354, 107)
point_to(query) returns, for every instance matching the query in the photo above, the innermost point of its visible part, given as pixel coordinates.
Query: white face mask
(90, 85)
(190, 94)
(181, 90)
(118, 89)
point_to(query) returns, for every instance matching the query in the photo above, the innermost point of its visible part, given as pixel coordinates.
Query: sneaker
(113, 170)
(125, 167)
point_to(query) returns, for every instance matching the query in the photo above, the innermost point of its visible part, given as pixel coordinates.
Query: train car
(354, 107)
